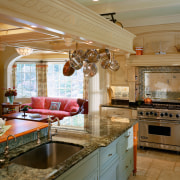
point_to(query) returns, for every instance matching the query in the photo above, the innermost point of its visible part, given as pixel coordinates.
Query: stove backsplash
(163, 83)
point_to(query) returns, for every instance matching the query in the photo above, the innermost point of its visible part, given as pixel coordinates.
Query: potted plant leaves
(25, 108)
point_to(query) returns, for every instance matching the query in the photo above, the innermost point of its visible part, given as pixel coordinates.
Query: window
(64, 86)
(26, 80)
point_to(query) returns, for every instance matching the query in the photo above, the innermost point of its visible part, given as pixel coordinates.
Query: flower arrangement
(11, 92)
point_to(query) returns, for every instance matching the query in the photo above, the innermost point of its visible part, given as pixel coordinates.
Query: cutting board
(21, 128)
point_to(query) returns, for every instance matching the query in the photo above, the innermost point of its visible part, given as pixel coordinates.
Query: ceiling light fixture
(24, 51)
(68, 41)
(95, 0)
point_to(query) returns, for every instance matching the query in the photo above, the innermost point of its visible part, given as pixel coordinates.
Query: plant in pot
(25, 108)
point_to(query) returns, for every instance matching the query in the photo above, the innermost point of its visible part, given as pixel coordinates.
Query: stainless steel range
(159, 126)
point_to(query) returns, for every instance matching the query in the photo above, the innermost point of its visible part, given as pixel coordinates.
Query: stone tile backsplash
(163, 83)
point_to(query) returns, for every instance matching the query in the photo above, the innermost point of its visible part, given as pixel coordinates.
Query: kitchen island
(105, 143)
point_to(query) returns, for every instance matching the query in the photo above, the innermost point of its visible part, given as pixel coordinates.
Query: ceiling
(130, 13)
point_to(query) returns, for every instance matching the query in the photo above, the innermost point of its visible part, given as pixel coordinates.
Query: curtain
(14, 68)
(85, 87)
(41, 76)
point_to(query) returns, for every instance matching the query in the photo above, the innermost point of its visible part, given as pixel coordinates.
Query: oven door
(159, 131)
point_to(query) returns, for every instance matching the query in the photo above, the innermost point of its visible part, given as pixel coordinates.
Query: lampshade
(24, 51)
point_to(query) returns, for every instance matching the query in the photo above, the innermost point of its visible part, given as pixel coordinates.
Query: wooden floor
(157, 165)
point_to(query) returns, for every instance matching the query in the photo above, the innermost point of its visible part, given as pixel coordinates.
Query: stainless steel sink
(47, 155)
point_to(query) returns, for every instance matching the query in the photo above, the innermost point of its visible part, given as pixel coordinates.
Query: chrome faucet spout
(50, 127)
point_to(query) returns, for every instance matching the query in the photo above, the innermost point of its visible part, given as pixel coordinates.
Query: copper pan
(67, 69)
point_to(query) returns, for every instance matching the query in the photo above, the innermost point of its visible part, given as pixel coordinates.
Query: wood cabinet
(123, 112)
(120, 77)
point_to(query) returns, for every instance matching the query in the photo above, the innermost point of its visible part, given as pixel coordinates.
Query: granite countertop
(90, 131)
(118, 106)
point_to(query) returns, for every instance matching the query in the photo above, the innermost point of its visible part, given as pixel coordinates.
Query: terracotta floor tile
(137, 177)
(153, 173)
(169, 175)
(163, 164)
(157, 165)
(143, 162)
(177, 167)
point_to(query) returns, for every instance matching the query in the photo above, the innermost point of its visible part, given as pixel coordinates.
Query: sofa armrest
(75, 110)
(26, 104)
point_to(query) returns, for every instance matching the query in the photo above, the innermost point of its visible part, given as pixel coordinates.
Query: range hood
(60, 19)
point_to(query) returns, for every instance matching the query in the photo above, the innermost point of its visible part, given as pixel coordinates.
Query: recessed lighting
(33, 26)
(95, 0)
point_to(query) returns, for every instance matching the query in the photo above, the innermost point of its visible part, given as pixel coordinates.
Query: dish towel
(2, 131)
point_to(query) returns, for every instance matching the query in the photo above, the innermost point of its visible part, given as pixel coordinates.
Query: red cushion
(71, 103)
(38, 102)
(48, 101)
(55, 113)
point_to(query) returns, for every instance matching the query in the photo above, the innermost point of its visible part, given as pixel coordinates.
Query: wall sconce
(24, 51)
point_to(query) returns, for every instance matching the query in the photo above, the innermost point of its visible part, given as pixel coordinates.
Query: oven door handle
(162, 122)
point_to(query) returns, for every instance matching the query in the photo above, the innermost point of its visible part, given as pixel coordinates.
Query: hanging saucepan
(114, 65)
(89, 69)
(67, 69)
(76, 59)
(105, 58)
(92, 56)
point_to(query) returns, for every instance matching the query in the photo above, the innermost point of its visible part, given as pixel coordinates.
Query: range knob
(151, 113)
(155, 114)
(177, 115)
(147, 113)
(141, 113)
(170, 115)
(166, 114)
(162, 114)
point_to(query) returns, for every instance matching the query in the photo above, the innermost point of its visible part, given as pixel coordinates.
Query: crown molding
(154, 60)
(58, 16)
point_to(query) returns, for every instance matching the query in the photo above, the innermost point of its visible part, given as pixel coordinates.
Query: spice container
(139, 50)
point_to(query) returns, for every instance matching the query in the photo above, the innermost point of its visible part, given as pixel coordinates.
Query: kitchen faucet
(50, 126)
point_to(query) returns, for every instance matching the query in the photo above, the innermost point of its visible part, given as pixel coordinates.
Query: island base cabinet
(87, 169)
(111, 173)
(125, 167)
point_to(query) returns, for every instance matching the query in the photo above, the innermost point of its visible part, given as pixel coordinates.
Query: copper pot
(67, 69)
(148, 100)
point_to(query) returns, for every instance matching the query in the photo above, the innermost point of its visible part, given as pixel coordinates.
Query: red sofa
(68, 106)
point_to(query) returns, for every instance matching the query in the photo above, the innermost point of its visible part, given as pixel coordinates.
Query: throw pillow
(37, 102)
(55, 106)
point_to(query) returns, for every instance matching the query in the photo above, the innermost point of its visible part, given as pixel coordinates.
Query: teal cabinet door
(87, 169)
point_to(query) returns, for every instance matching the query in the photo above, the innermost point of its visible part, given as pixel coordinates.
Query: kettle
(2, 122)
(148, 100)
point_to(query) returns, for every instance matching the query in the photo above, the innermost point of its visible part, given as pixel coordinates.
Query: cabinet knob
(127, 150)
(127, 166)
(109, 154)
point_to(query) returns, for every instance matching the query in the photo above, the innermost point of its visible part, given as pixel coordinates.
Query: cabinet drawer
(125, 143)
(116, 111)
(126, 164)
(107, 153)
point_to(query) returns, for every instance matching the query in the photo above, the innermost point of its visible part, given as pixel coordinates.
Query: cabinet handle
(127, 166)
(127, 136)
(127, 150)
(109, 154)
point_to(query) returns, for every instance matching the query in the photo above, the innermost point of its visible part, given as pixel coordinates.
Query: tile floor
(157, 165)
